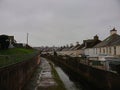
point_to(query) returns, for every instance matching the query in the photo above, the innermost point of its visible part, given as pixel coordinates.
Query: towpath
(43, 78)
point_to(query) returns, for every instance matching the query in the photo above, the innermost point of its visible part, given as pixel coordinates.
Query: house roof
(91, 43)
(86, 44)
(77, 47)
(110, 41)
(65, 49)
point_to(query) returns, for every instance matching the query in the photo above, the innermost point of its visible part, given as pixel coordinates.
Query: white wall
(90, 51)
(104, 50)
(71, 52)
(118, 50)
(93, 51)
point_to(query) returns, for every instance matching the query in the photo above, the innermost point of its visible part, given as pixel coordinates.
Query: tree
(4, 42)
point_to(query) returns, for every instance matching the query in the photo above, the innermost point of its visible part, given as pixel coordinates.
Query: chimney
(96, 37)
(113, 31)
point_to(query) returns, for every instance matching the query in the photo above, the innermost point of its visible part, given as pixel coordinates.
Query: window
(100, 50)
(96, 50)
(103, 50)
(109, 50)
(114, 50)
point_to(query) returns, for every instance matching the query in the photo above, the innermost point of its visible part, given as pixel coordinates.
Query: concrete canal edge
(99, 79)
(15, 76)
(45, 78)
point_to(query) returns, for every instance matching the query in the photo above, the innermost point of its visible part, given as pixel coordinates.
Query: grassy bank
(56, 77)
(15, 55)
(16, 51)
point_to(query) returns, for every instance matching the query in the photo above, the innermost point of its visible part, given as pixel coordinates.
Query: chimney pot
(113, 31)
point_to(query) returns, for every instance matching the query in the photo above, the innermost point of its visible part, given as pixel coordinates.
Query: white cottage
(74, 51)
(89, 44)
(110, 45)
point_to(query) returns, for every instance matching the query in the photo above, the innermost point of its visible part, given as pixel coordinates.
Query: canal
(43, 72)
(71, 81)
(70, 85)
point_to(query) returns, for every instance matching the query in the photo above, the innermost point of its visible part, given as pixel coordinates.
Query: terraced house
(110, 45)
(78, 50)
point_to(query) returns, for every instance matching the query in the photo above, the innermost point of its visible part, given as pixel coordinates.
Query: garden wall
(15, 76)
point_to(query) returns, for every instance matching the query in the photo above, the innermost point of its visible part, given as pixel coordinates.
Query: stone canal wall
(103, 79)
(15, 76)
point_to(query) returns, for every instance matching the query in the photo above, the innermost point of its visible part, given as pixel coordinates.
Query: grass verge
(16, 51)
(15, 55)
(60, 85)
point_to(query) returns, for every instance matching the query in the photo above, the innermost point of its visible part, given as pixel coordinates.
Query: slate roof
(65, 49)
(77, 47)
(86, 44)
(91, 43)
(110, 41)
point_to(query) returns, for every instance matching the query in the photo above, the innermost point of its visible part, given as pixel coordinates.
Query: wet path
(46, 78)
(43, 79)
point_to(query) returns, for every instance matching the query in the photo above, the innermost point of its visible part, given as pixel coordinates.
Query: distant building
(6, 41)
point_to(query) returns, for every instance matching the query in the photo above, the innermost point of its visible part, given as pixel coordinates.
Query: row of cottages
(109, 46)
(78, 50)
(70, 50)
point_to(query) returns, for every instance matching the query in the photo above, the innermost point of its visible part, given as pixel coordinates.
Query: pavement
(46, 79)
(42, 78)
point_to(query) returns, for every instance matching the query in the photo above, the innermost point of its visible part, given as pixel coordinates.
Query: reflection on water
(67, 82)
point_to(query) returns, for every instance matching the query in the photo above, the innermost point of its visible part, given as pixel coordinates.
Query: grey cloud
(58, 22)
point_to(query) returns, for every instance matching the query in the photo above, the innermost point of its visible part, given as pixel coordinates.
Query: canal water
(70, 84)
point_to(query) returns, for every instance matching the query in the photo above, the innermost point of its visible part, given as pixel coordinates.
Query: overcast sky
(58, 22)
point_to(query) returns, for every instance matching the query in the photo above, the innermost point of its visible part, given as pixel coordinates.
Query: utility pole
(27, 38)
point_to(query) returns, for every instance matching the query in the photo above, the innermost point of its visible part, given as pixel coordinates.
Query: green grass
(15, 55)
(14, 51)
